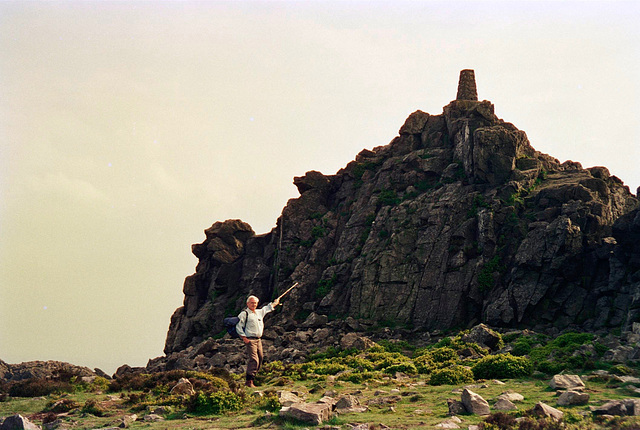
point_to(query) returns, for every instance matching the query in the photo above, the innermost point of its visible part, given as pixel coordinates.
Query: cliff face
(457, 221)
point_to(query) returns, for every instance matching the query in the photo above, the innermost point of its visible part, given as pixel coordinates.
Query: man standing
(250, 329)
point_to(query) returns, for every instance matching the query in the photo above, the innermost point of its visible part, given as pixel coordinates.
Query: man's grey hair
(252, 297)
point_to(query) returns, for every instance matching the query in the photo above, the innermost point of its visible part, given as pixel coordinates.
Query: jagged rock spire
(467, 86)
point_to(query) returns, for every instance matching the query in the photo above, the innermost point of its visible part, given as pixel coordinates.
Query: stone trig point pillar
(467, 86)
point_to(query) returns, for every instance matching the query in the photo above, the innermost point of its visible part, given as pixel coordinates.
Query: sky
(127, 128)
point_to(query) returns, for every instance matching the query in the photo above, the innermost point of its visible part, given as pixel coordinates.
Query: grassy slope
(422, 405)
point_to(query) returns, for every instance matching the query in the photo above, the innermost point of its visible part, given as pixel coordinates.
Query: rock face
(457, 221)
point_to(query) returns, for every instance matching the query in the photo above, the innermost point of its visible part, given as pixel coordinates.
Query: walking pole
(292, 287)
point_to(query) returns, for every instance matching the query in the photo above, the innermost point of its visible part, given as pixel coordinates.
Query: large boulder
(618, 407)
(474, 403)
(570, 398)
(18, 422)
(511, 396)
(456, 407)
(544, 410)
(483, 336)
(225, 240)
(348, 404)
(314, 413)
(504, 405)
(287, 398)
(315, 321)
(184, 387)
(357, 341)
(494, 153)
(566, 382)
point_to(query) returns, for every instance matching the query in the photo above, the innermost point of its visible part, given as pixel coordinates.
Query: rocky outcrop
(457, 221)
(42, 370)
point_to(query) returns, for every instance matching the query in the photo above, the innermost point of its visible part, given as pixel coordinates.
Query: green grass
(420, 406)
(369, 373)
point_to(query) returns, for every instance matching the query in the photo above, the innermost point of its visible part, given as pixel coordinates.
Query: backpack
(230, 324)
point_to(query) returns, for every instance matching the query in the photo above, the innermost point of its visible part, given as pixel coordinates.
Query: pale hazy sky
(127, 128)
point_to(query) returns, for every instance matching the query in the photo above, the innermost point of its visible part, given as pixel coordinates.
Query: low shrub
(37, 387)
(216, 403)
(424, 364)
(134, 382)
(358, 364)
(500, 420)
(453, 375)
(326, 368)
(62, 406)
(358, 377)
(272, 367)
(408, 368)
(502, 366)
(162, 382)
(99, 384)
(270, 403)
(136, 398)
(621, 370)
(332, 352)
(430, 360)
(396, 346)
(452, 343)
(382, 360)
(443, 355)
(565, 352)
(92, 407)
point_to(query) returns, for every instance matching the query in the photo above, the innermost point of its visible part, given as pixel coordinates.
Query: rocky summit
(457, 221)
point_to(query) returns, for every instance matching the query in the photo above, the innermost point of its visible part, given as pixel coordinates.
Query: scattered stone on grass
(504, 405)
(347, 404)
(544, 410)
(287, 398)
(474, 403)
(384, 400)
(511, 396)
(184, 387)
(566, 382)
(456, 407)
(618, 407)
(448, 424)
(152, 418)
(18, 422)
(314, 413)
(569, 398)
